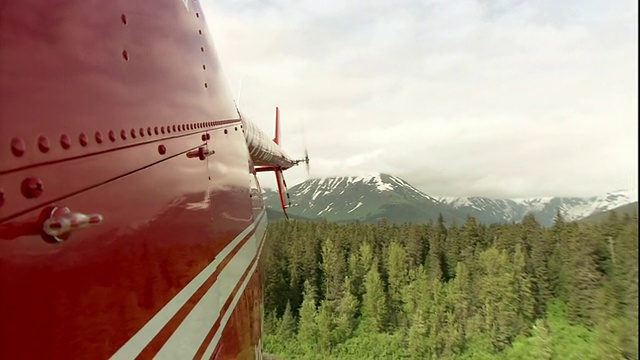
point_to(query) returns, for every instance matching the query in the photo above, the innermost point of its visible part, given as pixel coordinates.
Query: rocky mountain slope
(376, 196)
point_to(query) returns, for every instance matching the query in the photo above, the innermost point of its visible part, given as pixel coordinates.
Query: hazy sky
(488, 98)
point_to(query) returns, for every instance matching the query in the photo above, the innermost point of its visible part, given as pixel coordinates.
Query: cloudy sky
(459, 98)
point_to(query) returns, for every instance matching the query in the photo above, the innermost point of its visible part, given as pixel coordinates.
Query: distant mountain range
(370, 198)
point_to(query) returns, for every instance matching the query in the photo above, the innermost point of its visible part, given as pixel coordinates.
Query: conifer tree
(413, 292)
(473, 242)
(360, 261)
(398, 270)
(333, 269)
(416, 338)
(436, 268)
(453, 247)
(583, 278)
(523, 290)
(374, 302)
(307, 327)
(325, 323)
(346, 313)
(461, 304)
(497, 294)
(287, 326)
(414, 244)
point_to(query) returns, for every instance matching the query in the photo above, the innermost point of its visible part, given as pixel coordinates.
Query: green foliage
(287, 326)
(346, 313)
(374, 302)
(398, 271)
(516, 291)
(308, 327)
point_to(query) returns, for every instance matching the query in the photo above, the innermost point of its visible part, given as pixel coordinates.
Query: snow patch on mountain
(357, 206)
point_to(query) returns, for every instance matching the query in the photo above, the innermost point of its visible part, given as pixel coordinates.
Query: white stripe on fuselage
(185, 341)
(225, 319)
(139, 341)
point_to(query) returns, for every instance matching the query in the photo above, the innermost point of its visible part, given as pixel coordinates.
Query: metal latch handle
(63, 222)
(201, 153)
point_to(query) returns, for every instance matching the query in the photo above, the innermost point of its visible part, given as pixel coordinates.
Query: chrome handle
(201, 153)
(62, 222)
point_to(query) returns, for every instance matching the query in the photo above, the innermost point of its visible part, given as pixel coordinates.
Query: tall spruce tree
(346, 313)
(398, 270)
(374, 302)
(308, 327)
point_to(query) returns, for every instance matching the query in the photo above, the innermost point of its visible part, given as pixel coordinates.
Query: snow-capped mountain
(376, 196)
(544, 208)
(367, 198)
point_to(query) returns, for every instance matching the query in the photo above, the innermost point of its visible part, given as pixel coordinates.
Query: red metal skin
(100, 102)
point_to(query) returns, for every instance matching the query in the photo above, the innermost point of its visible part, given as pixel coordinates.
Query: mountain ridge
(371, 197)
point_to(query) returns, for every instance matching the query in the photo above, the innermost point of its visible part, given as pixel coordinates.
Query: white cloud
(505, 98)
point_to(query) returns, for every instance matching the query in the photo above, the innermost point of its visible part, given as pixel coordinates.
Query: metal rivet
(112, 135)
(17, 147)
(84, 140)
(123, 134)
(125, 55)
(98, 136)
(32, 188)
(65, 141)
(162, 149)
(123, 17)
(133, 133)
(43, 143)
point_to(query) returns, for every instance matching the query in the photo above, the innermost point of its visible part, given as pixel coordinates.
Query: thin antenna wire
(239, 93)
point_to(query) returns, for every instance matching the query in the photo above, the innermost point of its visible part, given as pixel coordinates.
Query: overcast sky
(459, 98)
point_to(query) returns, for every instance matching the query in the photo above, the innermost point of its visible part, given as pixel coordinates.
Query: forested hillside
(469, 291)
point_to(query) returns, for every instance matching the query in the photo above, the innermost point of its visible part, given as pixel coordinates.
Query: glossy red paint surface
(100, 104)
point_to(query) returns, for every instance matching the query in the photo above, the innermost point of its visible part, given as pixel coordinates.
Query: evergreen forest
(464, 291)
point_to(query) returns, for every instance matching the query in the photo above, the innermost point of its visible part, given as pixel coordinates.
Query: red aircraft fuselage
(131, 218)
